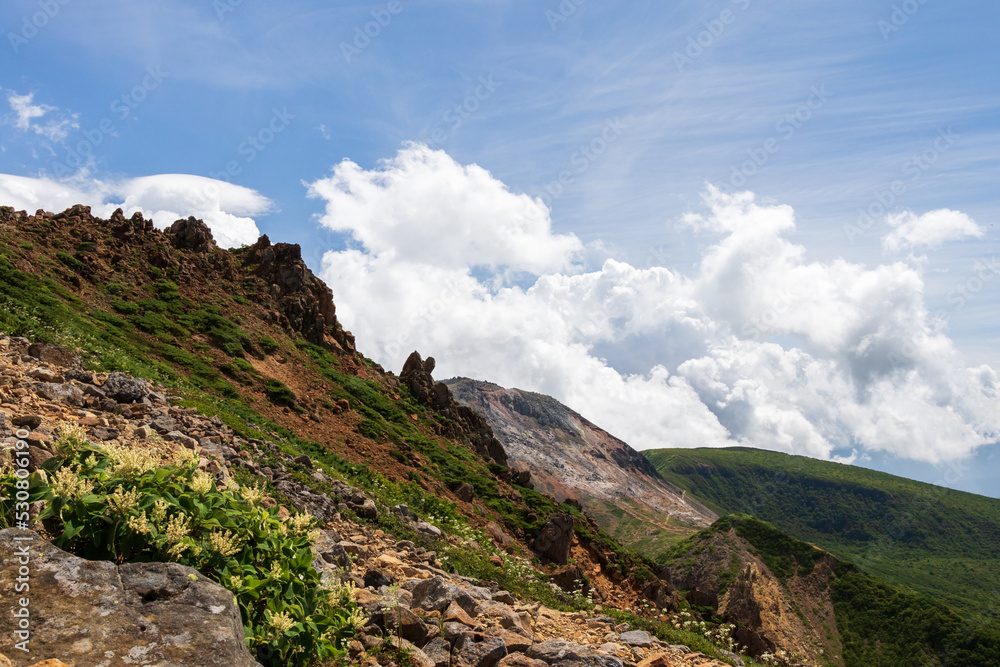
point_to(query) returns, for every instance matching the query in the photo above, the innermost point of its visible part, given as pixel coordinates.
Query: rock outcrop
(305, 303)
(466, 424)
(191, 234)
(95, 612)
(187, 252)
(724, 572)
(556, 538)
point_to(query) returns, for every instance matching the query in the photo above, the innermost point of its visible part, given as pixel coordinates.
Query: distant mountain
(571, 458)
(938, 541)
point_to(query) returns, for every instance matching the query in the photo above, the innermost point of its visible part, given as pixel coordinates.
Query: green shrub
(167, 290)
(158, 325)
(70, 261)
(129, 504)
(241, 369)
(269, 345)
(225, 334)
(125, 307)
(279, 393)
(371, 429)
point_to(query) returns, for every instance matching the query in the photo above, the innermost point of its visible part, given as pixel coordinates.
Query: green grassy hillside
(941, 542)
(878, 623)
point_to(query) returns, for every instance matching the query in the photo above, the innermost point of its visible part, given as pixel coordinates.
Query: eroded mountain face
(724, 573)
(572, 459)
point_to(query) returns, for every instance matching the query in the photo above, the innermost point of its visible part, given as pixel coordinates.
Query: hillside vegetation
(877, 623)
(938, 541)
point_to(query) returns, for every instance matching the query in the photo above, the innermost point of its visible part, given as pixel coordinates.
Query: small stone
(30, 422)
(44, 374)
(454, 613)
(429, 529)
(181, 438)
(377, 579)
(36, 457)
(438, 650)
(657, 660)
(471, 653)
(639, 638)
(365, 510)
(464, 492)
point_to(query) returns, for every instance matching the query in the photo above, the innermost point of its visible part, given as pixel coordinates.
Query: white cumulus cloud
(227, 209)
(758, 346)
(422, 206)
(929, 230)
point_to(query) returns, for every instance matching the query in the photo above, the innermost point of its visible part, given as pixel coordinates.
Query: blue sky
(639, 109)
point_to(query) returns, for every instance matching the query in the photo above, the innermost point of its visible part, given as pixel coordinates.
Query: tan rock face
(94, 612)
(571, 459)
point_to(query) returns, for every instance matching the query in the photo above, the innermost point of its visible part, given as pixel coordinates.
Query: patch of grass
(70, 261)
(278, 393)
(126, 307)
(268, 344)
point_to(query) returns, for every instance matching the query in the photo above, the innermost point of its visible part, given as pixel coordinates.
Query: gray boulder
(59, 393)
(570, 654)
(435, 594)
(471, 653)
(639, 638)
(125, 388)
(439, 650)
(96, 612)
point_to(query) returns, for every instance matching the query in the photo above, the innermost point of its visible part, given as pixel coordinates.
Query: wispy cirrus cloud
(42, 119)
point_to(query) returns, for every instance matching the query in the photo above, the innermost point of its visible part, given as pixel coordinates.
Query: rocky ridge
(467, 424)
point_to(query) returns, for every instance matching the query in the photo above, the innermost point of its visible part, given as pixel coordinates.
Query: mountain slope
(939, 541)
(571, 458)
(787, 593)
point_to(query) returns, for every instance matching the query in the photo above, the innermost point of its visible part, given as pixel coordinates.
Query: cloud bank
(226, 208)
(759, 346)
